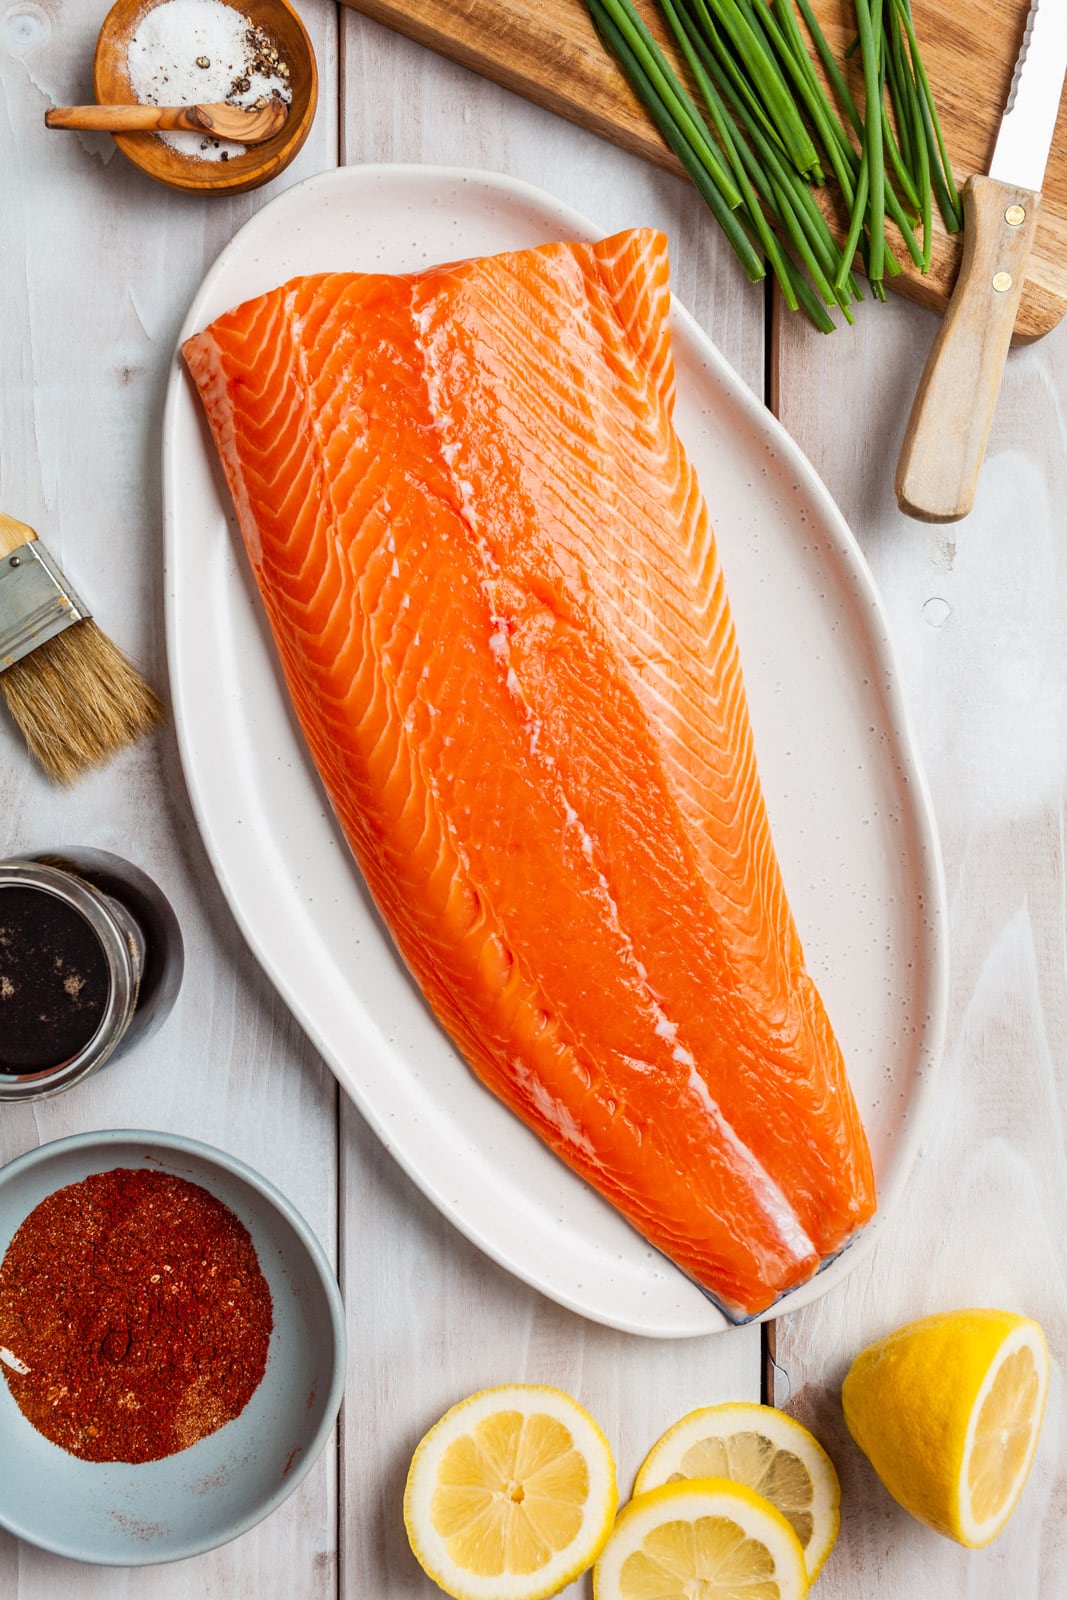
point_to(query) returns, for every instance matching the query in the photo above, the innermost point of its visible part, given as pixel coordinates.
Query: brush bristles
(78, 701)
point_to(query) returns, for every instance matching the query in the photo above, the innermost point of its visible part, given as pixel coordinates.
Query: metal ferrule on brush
(36, 602)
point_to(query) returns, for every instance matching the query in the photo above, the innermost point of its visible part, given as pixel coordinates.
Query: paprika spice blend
(134, 1316)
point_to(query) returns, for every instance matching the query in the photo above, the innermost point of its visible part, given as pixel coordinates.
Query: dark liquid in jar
(54, 982)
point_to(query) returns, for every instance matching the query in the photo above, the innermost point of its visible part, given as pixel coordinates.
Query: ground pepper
(134, 1316)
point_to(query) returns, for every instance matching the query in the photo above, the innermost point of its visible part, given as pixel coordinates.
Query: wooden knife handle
(945, 439)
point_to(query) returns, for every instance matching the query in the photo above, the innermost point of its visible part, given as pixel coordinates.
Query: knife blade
(948, 428)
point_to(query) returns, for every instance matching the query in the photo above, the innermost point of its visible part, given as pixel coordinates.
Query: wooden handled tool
(72, 693)
(245, 124)
(13, 534)
(945, 439)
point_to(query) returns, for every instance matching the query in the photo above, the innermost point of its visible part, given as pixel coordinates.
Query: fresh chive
(768, 130)
(721, 62)
(901, 94)
(678, 138)
(760, 67)
(843, 94)
(798, 67)
(658, 72)
(774, 175)
(742, 165)
(855, 227)
(829, 60)
(940, 165)
(811, 305)
(805, 226)
(870, 57)
(900, 165)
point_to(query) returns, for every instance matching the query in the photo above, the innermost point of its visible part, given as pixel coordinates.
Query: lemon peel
(703, 1536)
(510, 1495)
(948, 1410)
(765, 1449)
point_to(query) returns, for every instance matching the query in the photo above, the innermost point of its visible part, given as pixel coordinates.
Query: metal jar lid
(123, 946)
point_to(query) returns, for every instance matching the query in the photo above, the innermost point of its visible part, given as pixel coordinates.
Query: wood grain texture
(251, 168)
(84, 355)
(945, 439)
(548, 50)
(220, 120)
(93, 294)
(976, 615)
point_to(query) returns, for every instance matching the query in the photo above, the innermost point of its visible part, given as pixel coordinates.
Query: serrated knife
(945, 439)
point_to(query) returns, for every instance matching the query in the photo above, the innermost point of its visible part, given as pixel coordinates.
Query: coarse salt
(199, 52)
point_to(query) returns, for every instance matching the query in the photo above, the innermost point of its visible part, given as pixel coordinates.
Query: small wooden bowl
(259, 163)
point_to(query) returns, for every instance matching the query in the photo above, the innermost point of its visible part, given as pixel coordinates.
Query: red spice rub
(137, 1303)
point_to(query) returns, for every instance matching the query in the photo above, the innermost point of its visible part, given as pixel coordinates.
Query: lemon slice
(510, 1495)
(701, 1536)
(948, 1410)
(768, 1451)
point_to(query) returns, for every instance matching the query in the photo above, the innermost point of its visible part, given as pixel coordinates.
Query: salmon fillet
(495, 594)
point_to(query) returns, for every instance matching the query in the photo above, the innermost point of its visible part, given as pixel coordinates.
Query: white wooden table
(97, 268)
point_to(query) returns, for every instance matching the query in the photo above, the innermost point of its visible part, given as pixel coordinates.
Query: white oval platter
(847, 799)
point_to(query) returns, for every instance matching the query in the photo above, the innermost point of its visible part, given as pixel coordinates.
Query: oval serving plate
(847, 800)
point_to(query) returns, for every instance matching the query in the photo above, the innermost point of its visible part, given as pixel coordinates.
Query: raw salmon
(496, 598)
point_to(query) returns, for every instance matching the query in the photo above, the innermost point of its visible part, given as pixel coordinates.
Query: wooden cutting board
(548, 51)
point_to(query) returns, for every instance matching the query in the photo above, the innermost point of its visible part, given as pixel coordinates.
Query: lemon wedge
(511, 1495)
(768, 1451)
(700, 1536)
(948, 1410)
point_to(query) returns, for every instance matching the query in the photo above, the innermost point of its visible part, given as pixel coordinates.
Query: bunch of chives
(768, 133)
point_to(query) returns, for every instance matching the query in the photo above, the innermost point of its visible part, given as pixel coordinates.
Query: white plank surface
(978, 619)
(96, 269)
(93, 293)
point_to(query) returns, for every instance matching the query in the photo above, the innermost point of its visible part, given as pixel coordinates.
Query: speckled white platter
(847, 800)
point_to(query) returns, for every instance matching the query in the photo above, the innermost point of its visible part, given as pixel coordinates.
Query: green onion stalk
(762, 135)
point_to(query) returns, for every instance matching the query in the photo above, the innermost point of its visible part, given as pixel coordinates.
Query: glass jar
(91, 961)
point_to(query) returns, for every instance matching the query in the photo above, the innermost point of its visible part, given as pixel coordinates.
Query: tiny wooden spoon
(222, 120)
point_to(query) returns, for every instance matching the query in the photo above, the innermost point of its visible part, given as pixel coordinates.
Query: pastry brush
(72, 692)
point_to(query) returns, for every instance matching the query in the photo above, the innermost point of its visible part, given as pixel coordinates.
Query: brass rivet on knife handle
(945, 440)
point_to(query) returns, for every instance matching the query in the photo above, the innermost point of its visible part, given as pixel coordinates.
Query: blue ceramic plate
(119, 1514)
